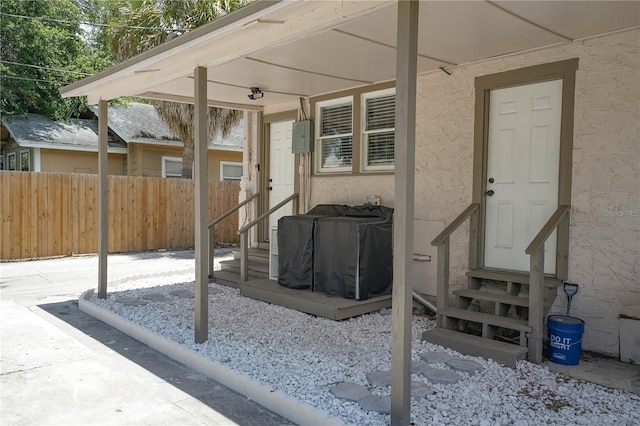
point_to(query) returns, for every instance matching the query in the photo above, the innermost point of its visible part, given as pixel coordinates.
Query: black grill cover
(382, 212)
(329, 210)
(295, 251)
(353, 257)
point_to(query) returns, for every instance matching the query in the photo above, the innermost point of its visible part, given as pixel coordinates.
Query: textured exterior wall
(604, 243)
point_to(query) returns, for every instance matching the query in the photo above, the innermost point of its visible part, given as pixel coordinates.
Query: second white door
(522, 172)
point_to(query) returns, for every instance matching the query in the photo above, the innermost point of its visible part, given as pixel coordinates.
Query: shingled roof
(38, 131)
(140, 123)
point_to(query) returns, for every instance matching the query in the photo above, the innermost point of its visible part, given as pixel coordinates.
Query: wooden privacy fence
(52, 214)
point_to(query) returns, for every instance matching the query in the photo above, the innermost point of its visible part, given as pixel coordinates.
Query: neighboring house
(35, 143)
(139, 145)
(509, 93)
(153, 150)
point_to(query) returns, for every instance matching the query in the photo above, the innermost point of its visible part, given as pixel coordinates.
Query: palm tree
(165, 20)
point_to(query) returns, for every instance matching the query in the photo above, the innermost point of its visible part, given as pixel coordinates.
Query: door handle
(490, 193)
(271, 188)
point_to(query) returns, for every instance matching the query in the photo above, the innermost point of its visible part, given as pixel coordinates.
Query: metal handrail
(446, 233)
(548, 228)
(535, 250)
(212, 224)
(244, 240)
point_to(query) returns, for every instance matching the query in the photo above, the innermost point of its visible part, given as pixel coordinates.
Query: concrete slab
(61, 366)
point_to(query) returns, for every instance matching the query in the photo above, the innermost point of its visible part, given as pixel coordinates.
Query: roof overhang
(295, 48)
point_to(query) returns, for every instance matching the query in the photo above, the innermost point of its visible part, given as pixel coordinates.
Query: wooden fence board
(52, 214)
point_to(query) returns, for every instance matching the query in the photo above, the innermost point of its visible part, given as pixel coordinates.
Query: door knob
(491, 180)
(489, 192)
(271, 188)
(270, 180)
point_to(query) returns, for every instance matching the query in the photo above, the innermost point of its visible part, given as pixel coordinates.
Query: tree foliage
(164, 20)
(58, 52)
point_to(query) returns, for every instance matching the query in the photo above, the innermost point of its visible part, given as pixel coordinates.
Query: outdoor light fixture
(256, 93)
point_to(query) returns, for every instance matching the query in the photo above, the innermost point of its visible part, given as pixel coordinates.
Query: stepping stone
(183, 294)
(420, 389)
(381, 404)
(154, 297)
(379, 378)
(419, 367)
(125, 299)
(464, 365)
(446, 377)
(131, 301)
(349, 391)
(435, 357)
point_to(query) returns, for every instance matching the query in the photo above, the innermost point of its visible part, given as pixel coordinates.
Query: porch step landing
(319, 304)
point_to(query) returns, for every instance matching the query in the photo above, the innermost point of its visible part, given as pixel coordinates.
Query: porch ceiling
(296, 48)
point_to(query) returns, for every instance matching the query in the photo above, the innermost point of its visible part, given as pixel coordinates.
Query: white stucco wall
(605, 225)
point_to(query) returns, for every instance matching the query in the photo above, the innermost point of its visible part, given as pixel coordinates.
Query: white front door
(281, 169)
(522, 172)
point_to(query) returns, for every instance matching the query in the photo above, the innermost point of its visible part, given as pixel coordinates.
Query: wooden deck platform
(319, 304)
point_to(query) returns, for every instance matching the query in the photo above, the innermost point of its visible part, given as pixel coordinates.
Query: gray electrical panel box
(302, 137)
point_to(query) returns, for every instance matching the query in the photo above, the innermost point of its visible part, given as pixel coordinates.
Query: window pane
(336, 120)
(380, 149)
(231, 172)
(381, 113)
(11, 160)
(25, 162)
(336, 152)
(173, 168)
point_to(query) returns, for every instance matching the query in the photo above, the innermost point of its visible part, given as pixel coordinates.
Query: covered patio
(293, 50)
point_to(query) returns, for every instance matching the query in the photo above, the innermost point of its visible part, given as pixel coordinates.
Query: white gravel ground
(303, 356)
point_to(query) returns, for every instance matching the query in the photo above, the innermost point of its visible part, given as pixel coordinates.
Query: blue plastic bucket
(565, 339)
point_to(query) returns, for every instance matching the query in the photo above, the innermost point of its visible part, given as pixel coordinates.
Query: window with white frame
(378, 130)
(171, 167)
(334, 135)
(11, 161)
(230, 170)
(25, 160)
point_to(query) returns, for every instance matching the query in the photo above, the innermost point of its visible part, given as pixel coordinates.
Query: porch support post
(406, 72)
(103, 198)
(201, 206)
(536, 302)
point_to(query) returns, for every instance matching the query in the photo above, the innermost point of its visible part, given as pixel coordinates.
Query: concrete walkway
(61, 366)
